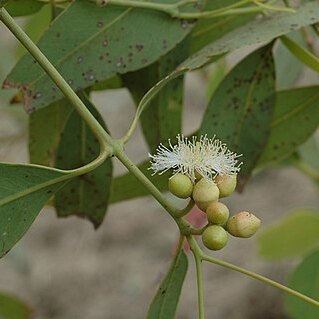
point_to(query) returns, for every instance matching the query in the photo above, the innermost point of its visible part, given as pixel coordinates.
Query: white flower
(208, 157)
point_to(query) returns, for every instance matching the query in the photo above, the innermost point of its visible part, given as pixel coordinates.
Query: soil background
(66, 270)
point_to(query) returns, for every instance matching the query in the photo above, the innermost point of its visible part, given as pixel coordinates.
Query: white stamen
(208, 157)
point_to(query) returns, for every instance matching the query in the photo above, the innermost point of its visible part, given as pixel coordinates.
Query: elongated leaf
(295, 119)
(87, 195)
(301, 53)
(255, 32)
(24, 190)
(45, 128)
(13, 308)
(126, 187)
(163, 117)
(209, 30)
(304, 279)
(94, 44)
(165, 301)
(292, 236)
(23, 7)
(259, 31)
(240, 111)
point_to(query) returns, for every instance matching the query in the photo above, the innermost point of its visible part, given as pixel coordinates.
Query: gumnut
(243, 224)
(180, 185)
(205, 192)
(217, 213)
(226, 184)
(215, 237)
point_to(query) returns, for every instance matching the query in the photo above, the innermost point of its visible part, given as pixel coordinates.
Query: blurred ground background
(64, 269)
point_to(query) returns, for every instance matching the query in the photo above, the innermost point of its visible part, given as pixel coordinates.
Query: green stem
(197, 253)
(261, 278)
(196, 250)
(173, 9)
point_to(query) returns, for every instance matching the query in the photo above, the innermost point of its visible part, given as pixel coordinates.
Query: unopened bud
(205, 192)
(215, 237)
(180, 185)
(226, 184)
(217, 213)
(243, 224)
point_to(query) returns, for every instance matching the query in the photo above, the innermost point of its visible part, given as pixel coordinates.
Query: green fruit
(180, 185)
(243, 225)
(217, 213)
(205, 192)
(226, 184)
(215, 237)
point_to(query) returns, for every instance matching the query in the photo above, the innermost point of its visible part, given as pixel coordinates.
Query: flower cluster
(207, 157)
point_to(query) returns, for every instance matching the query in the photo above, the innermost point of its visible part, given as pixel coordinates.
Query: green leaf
(87, 195)
(240, 111)
(23, 7)
(35, 26)
(127, 187)
(288, 67)
(208, 30)
(258, 31)
(301, 53)
(166, 299)
(94, 47)
(45, 128)
(163, 117)
(295, 119)
(304, 279)
(291, 236)
(24, 190)
(13, 308)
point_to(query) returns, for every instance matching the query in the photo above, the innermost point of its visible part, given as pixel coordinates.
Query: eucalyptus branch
(107, 143)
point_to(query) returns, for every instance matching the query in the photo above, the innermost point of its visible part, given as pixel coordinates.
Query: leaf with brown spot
(93, 44)
(86, 196)
(240, 111)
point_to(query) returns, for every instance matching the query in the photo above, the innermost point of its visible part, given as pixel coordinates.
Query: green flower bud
(217, 213)
(205, 192)
(243, 224)
(180, 185)
(226, 184)
(215, 237)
